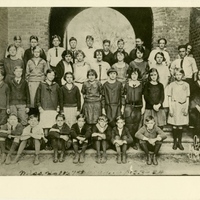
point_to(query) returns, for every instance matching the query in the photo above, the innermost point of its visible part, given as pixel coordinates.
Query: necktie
(56, 52)
(11, 128)
(99, 72)
(181, 63)
(31, 131)
(73, 56)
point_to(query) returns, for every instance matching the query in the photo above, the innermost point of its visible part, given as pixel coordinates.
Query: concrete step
(186, 138)
(165, 149)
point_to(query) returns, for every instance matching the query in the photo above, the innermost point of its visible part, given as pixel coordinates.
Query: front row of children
(80, 136)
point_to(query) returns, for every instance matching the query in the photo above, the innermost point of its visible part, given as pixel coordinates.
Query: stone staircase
(166, 148)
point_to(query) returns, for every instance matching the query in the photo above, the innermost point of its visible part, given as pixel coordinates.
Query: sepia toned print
(99, 91)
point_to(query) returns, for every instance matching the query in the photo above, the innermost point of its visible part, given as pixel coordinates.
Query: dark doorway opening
(141, 20)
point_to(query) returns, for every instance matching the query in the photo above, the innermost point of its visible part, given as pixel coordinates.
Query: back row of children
(142, 94)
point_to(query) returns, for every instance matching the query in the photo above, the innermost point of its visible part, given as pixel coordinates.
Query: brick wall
(195, 34)
(29, 21)
(172, 24)
(3, 31)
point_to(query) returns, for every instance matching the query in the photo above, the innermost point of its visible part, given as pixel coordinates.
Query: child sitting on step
(80, 133)
(10, 136)
(121, 138)
(101, 136)
(32, 132)
(151, 138)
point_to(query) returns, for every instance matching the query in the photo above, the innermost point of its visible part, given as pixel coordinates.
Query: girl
(178, 95)
(151, 138)
(134, 103)
(35, 72)
(48, 100)
(92, 90)
(121, 67)
(100, 66)
(112, 97)
(80, 70)
(20, 50)
(140, 64)
(80, 133)
(154, 97)
(60, 137)
(70, 101)
(164, 74)
(11, 62)
(5, 97)
(101, 136)
(195, 105)
(29, 52)
(162, 42)
(121, 138)
(65, 65)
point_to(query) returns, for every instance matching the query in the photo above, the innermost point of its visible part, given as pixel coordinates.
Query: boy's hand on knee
(27, 110)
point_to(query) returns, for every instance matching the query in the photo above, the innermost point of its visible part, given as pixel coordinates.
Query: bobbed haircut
(160, 53)
(92, 71)
(66, 52)
(67, 73)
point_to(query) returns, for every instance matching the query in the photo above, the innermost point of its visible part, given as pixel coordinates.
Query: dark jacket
(19, 93)
(107, 132)
(15, 132)
(28, 55)
(65, 130)
(48, 96)
(60, 70)
(85, 131)
(124, 136)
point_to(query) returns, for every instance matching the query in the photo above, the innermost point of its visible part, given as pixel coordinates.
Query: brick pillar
(3, 31)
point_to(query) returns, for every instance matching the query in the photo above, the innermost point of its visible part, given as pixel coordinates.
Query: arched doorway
(141, 19)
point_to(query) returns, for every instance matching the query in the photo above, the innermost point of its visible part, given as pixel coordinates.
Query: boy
(32, 132)
(112, 97)
(139, 43)
(20, 51)
(120, 45)
(60, 137)
(54, 54)
(101, 136)
(162, 42)
(4, 94)
(10, 134)
(151, 138)
(19, 96)
(29, 52)
(107, 54)
(73, 44)
(80, 133)
(89, 50)
(121, 138)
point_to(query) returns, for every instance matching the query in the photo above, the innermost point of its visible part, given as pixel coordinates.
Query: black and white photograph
(100, 91)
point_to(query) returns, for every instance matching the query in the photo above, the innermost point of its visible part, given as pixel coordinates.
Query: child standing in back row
(91, 91)
(19, 96)
(48, 101)
(70, 100)
(5, 95)
(178, 95)
(154, 97)
(112, 97)
(35, 73)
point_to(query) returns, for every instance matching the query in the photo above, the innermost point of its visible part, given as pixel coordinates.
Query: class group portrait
(69, 98)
